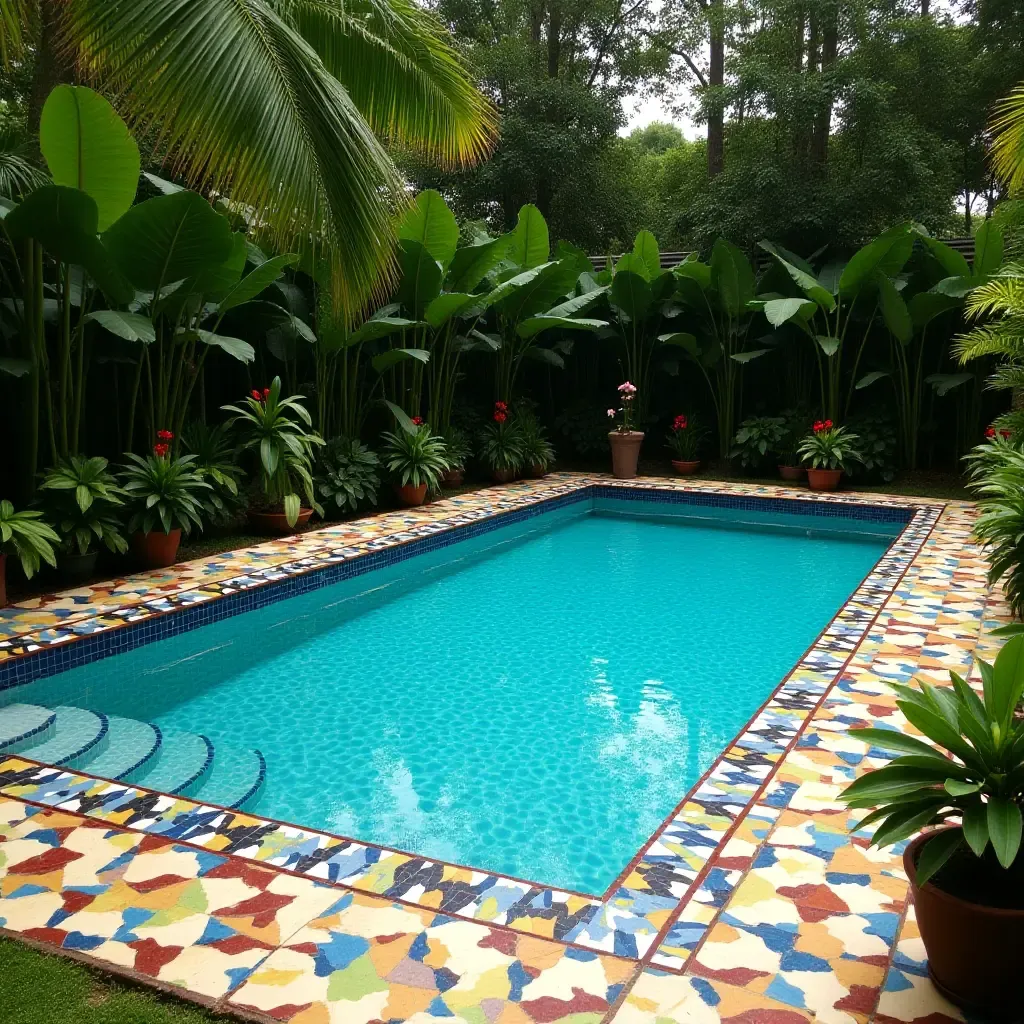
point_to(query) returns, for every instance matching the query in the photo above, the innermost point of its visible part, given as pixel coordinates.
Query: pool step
(185, 759)
(22, 725)
(236, 778)
(131, 747)
(74, 736)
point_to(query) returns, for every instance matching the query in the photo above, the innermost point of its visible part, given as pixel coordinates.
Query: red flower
(679, 423)
(256, 395)
(1004, 434)
(160, 450)
(818, 426)
(165, 435)
(266, 394)
(828, 424)
(417, 421)
(499, 416)
(991, 432)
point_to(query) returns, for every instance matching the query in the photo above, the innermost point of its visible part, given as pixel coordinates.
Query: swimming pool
(558, 683)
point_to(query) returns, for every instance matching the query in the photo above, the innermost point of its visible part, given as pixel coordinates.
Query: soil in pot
(76, 568)
(156, 550)
(685, 467)
(973, 946)
(411, 495)
(277, 522)
(792, 472)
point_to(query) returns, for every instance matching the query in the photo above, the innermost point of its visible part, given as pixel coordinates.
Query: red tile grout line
(716, 853)
(628, 869)
(313, 880)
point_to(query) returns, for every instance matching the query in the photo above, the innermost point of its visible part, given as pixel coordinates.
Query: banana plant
(720, 297)
(827, 301)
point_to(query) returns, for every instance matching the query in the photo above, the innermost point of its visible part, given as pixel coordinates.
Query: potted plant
(538, 452)
(217, 463)
(417, 459)
(624, 440)
(280, 431)
(966, 878)
(347, 474)
(787, 451)
(27, 535)
(757, 438)
(826, 452)
(457, 451)
(165, 498)
(81, 497)
(684, 442)
(501, 445)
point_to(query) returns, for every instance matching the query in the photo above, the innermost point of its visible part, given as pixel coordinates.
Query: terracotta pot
(794, 473)
(76, 568)
(973, 950)
(410, 495)
(625, 452)
(277, 522)
(824, 479)
(537, 471)
(156, 550)
(3, 580)
(453, 477)
(685, 467)
(503, 476)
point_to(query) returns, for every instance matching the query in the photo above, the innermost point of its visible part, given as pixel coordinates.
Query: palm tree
(281, 103)
(999, 303)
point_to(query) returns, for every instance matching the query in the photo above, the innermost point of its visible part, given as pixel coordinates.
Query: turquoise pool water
(534, 701)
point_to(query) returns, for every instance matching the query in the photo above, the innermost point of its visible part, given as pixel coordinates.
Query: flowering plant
(415, 458)
(685, 438)
(501, 442)
(627, 395)
(991, 432)
(163, 491)
(829, 446)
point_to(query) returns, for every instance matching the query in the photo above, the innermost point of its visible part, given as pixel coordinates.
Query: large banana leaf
(645, 246)
(631, 293)
(732, 277)
(533, 291)
(529, 244)
(421, 277)
(430, 222)
(472, 263)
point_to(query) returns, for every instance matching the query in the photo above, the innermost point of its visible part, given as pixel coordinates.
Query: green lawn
(43, 988)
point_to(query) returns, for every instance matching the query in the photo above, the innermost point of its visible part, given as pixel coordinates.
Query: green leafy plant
(686, 437)
(347, 474)
(878, 446)
(279, 430)
(28, 536)
(81, 497)
(538, 451)
(829, 447)
(970, 775)
(501, 442)
(415, 457)
(997, 477)
(163, 491)
(457, 447)
(216, 462)
(757, 438)
(584, 428)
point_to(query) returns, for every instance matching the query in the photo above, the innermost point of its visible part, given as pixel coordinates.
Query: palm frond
(995, 339)
(245, 105)
(397, 64)
(18, 174)
(1003, 293)
(15, 17)
(1008, 146)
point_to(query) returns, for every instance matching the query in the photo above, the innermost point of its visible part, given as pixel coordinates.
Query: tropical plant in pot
(81, 498)
(501, 445)
(416, 458)
(217, 463)
(794, 429)
(538, 451)
(757, 440)
(684, 441)
(347, 475)
(624, 440)
(28, 536)
(164, 494)
(458, 451)
(967, 775)
(279, 431)
(826, 451)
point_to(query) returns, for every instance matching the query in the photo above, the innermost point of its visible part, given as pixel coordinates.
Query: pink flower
(627, 389)
(611, 414)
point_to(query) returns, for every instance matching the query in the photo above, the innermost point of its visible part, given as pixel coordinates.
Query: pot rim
(626, 433)
(143, 533)
(910, 866)
(254, 512)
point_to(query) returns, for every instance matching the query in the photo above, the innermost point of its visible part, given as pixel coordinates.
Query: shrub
(28, 536)
(81, 498)
(757, 439)
(538, 451)
(217, 463)
(501, 442)
(347, 474)
(163, 491)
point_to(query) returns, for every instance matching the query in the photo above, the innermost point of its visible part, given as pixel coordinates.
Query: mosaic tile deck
(752, 903)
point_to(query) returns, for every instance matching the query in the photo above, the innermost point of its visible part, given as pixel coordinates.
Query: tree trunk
(823, 120)
(925, 6)
(53, 63)
(716, 81)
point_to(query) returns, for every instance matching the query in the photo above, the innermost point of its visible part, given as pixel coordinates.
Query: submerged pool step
(131, 747)
(22, 725)
(184, 760)
(236, 778)
(76, 734)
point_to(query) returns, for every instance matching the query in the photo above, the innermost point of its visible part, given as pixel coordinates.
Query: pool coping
(636, 912)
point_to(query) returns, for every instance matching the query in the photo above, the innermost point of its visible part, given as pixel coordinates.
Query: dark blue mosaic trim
(147, 757)
(95, 741)
(258, 784)
(119, 639)
(183, 790)
(11, 746)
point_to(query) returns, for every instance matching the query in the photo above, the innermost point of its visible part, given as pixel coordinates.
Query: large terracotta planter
(503, 476)
(77, 568)
(973, 950)
(686, 467)
(824, 479)
(625, 452)
(452, 477)
(277, 522)
(407, 494)
(156, 550)
(537, 471)
(794, 473)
